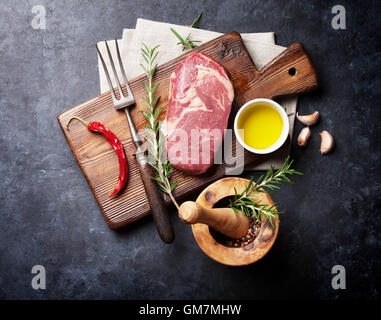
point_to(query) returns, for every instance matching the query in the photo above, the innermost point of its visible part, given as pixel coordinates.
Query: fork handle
(158, 207)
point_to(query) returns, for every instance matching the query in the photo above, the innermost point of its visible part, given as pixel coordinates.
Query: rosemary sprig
(153, 136)
(273, 178)
(245, 201)
(187, 43)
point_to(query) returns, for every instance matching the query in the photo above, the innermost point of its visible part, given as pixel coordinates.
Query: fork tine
(122, 70)
(113, 70)
(107, 74)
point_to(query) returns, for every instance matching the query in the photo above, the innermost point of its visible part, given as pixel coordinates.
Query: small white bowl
(283, 135)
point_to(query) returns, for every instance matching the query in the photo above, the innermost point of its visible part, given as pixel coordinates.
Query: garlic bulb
(308, 119)
(327, 142)
(303, 137)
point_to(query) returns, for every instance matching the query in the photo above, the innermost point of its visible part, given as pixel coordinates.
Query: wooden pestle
(223, 220)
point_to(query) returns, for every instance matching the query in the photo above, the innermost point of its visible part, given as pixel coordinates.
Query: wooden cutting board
(289, 73)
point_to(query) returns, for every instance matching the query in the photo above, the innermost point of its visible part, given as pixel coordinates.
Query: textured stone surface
(49, 217)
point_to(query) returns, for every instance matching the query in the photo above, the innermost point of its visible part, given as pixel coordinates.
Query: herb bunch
(245, 201)
(187, 43)
(153, 135)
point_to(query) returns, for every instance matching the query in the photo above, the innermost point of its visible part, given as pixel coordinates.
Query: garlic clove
(327, 142)
(303, 137)
(308, 119)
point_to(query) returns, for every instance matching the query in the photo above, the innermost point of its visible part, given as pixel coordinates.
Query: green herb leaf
(194, 24)
(182, 41)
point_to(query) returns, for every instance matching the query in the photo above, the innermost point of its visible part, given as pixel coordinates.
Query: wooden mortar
(204, 215)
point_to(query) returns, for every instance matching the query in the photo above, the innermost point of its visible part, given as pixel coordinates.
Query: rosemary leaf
(182, 41)
(194, 24)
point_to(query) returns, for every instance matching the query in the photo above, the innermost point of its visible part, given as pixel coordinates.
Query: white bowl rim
(285, 130)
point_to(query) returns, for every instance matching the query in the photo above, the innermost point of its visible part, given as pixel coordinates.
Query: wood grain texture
(229, 255)
(99, 163)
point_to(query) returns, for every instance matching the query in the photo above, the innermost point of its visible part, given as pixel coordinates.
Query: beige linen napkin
(154, 33)
(260, 46)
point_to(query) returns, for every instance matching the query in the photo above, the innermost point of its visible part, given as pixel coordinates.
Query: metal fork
(155, 199)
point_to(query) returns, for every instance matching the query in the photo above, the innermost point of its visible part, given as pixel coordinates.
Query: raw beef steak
(200, 99)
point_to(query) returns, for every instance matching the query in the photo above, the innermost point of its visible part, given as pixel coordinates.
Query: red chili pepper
(118, 147)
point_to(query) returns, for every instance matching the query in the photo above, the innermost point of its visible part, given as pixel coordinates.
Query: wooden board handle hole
(292, 72)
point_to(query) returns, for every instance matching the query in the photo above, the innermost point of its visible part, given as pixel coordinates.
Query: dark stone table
(49, 217)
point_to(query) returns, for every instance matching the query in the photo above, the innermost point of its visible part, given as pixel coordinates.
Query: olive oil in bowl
(261, 126)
